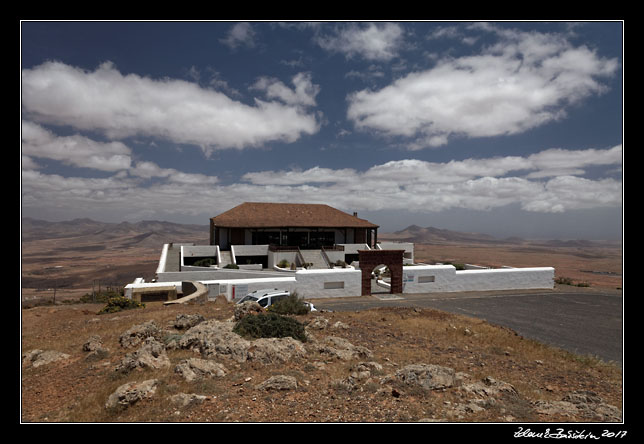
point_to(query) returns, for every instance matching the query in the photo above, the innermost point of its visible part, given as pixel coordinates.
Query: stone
(276, 350)
(151, 355)
(131, 393)
(428, 376)
(247, 308)
(36, 358)
(195, 368)
(186, 399)
(138, 333)
(279, 382)
(342, 349)
(94, 346)
(215, 339)
(184, 321)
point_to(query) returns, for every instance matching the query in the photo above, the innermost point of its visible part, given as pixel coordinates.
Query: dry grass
(76, 390)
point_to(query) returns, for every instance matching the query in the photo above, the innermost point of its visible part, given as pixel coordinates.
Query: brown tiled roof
(273, 215)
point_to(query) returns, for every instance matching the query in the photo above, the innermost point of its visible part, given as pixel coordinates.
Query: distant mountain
(124, 234)
(414, 233)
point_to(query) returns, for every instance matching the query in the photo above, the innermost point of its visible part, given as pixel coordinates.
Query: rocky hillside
(184, 363)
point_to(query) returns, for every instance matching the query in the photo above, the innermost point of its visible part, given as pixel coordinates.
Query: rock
(319, 323)
(247, 308)
(342, 349)
(36, 358)
(137, 334)
(340, 326)
(214, 339)
(195, 368)
(428, 376)
(276, 350)
(94, 346)
(279, 382)
(185, 399)
(184, 321)
(151, 355)
(490, 388)
(131, 393)
(586, 404)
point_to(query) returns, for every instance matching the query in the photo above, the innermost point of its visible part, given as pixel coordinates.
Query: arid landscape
(494, 374)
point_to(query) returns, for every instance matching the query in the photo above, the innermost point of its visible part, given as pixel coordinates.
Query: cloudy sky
(506, 128)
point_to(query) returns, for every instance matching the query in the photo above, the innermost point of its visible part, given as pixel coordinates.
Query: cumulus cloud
(519, 83)
(183, 112)
(73, 150)
(304, 91)
(371, 41)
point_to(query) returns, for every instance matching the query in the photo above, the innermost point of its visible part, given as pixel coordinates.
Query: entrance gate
(393, 259)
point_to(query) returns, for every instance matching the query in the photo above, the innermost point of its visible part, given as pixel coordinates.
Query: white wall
(311, 283)
(447, 279)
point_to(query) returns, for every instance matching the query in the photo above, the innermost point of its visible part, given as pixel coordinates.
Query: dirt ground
(75, 389)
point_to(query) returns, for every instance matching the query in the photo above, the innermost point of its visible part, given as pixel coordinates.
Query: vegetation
(291, 305)
(340, 263)
(205, 262)
(568, 281)
(283, 263)
(120, 303)
(270, 325)
(233, 266)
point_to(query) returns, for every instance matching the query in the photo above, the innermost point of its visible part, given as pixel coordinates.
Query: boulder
(36, 358)
(275, 350)
(131, 393)
(186, 399)
(279, 382)
(428, 376)
(247, 308)
(138, 333)
(94, 345)
(184, 321)
(195, 368)
(151, 355)
(215, 339)
(342, 349)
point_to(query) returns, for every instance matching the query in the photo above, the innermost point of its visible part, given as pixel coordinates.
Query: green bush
(270, 325)
(206, 262)
(291, 305)
(120, 303)
(283, 264)
(234, 266)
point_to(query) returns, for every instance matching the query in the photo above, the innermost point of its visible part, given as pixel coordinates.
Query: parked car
(267, 297)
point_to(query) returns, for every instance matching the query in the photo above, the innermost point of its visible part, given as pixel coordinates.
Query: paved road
(583, 322)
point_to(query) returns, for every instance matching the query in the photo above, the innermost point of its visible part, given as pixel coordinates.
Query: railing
(283, 248)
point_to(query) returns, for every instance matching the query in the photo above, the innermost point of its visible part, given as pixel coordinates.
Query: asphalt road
(582, 322)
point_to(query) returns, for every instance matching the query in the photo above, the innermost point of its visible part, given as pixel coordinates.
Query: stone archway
(393, 259)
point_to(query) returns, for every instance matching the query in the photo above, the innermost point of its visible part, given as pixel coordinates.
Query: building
(305, 226)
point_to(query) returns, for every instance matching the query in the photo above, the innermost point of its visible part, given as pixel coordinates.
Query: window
(425, 279)
(333, 285)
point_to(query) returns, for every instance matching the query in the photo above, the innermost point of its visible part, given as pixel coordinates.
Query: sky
(504, 128)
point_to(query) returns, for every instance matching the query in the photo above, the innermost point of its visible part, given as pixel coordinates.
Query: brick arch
(393, 259)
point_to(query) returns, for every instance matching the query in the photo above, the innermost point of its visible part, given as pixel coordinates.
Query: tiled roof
(264, 215)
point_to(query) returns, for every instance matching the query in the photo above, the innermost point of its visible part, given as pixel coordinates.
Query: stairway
(315, 257)
(226, 258)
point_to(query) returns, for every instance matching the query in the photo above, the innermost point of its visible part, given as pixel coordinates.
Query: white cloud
(73, 150)
(372, 41)
(182, 112)
(241, 34)
(304, 91)
(522, 82)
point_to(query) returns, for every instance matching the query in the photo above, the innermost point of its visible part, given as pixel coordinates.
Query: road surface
(580, 321)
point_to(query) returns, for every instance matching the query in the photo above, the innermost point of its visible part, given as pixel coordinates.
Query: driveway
(581, 321)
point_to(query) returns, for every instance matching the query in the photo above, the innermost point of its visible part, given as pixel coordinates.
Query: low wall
(445, 278)
(330, 283)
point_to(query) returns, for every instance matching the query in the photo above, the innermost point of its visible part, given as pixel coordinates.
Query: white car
(267, 297)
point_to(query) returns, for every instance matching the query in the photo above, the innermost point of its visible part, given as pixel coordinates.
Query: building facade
(305, 226)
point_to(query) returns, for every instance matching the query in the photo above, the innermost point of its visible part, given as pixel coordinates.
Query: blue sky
(506, 128)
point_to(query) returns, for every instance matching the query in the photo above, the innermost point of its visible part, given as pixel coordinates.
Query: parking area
(586, 322)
